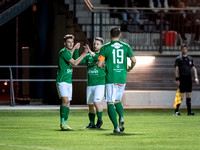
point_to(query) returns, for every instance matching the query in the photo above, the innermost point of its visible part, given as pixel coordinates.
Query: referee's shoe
(191, 114)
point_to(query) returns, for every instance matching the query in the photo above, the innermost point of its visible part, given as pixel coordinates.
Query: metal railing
(15, 10)
(11, 79)
(149, 35)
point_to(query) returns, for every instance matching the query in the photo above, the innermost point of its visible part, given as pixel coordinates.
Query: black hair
(183, 45)
(115, 32)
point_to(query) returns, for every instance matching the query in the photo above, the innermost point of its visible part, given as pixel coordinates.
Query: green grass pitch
(147, 129)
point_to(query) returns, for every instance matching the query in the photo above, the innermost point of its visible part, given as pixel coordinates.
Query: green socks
(91, 118)
(113, 115)
(99, 116)
(64, 113)
(119, 109)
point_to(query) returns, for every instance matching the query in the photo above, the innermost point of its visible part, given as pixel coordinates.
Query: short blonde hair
(99, 39)
(68, 36)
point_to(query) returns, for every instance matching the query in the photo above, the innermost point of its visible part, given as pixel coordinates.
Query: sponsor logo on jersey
(69, 70)
(116, 45)
(95, 71)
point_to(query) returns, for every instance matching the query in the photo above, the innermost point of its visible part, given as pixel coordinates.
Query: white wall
(155, 99)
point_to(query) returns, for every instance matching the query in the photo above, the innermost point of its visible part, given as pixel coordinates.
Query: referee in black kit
(183, 73)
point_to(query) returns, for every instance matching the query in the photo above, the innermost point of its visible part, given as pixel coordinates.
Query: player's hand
(87, 46)
(197, 80)
(89, 50)
(102, 66)
(129, 68)
(77, 46)
(86, 50)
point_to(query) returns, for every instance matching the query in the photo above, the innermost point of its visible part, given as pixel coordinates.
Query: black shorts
(185, 85)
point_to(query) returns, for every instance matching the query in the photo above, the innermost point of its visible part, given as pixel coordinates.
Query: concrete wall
(156, 99)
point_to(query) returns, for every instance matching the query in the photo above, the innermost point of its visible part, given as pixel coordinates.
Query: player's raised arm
(78, 60)
(89, 50)
(77, 46)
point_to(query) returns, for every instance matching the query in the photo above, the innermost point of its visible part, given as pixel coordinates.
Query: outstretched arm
(77, 46)
(78, 60)
(89, 50)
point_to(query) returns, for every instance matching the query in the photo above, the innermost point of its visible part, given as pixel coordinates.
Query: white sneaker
(65, 127)
(121, 124)
(117, 130)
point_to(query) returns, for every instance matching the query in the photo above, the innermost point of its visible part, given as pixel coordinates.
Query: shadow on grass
(65, 130)
(84, 129)
(97, 129)
(120, 134)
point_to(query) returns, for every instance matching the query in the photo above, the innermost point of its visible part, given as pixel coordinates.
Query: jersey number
(119, 57)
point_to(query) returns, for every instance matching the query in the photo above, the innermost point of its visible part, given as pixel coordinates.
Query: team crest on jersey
(190, 62)
(116, 45)
(117, 66)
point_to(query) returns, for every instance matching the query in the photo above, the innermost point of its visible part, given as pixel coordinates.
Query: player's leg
(98, 96)
(119, 109)
(92, 110)
(65, 94)
(99, 110)
(110, 99)
(113, 117)
(64, 113)
(119, 106)
(63, 110)
(91, 115)
(120, 112)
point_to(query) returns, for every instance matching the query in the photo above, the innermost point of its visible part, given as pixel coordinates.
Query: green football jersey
(96, 75)
(116, 53)
(76, 54)
(64, 71)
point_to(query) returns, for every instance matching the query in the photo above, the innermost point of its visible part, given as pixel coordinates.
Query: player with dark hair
(95, 85)
(184, 65)
(115, 54)
(64, 76)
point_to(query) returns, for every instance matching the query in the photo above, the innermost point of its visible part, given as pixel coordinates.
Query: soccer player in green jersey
(64, 76)
(115, 54)
(95, 85)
